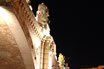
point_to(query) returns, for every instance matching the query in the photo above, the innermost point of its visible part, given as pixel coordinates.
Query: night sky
(78, 30)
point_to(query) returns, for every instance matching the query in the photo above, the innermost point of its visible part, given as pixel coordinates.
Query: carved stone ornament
(61, 60)
(42, 15)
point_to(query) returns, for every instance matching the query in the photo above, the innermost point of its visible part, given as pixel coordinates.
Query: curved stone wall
(10, 56)
(15, 51)
(30, 41)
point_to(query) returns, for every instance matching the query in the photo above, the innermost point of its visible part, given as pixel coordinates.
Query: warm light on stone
(25, 43)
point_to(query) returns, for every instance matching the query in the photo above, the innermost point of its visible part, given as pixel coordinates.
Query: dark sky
(77, 28)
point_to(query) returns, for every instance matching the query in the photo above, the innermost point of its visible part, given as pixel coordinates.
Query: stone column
(46, 52)
(41, 53)
(48, 48)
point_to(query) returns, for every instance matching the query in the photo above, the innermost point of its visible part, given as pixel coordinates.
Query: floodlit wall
(14, 49)
(23, 42)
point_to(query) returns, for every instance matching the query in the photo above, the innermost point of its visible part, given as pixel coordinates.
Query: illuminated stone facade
(25, 42)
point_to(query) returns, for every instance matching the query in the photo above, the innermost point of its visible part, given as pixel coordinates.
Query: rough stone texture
(10, 57)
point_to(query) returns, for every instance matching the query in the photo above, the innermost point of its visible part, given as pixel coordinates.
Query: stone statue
(42, 15)
(61, 60)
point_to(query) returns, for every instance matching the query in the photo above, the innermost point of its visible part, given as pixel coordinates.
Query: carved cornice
(26, 16)
(22, 10)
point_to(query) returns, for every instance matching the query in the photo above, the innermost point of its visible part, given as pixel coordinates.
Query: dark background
(77, 28)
